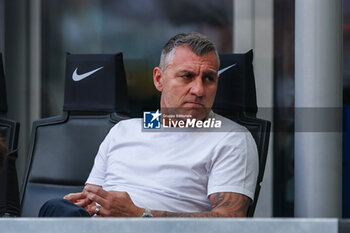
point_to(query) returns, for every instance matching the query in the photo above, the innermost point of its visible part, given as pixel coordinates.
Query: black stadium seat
(63, 148)
(9, 130)
(236, 100)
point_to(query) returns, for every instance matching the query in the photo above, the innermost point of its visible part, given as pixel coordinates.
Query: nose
(197, 87)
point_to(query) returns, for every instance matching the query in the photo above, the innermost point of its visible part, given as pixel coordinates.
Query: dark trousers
(62, 208)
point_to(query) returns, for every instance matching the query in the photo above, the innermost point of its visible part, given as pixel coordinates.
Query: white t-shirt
(176, 171)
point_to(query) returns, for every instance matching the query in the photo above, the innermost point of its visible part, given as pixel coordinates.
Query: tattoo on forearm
(236, 204)
(216, 199)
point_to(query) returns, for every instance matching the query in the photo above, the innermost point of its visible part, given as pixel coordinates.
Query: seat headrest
(95, 83)
(236, 86)
(3, 97)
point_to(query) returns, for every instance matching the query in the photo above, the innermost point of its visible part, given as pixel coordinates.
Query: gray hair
(198, 43)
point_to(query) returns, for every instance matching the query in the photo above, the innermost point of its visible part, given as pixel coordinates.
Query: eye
(187, 76)
(210, 78)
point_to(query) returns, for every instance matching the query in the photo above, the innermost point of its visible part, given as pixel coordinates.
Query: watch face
(147, 214)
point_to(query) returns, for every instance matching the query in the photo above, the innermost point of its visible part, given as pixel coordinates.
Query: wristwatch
(147, 214)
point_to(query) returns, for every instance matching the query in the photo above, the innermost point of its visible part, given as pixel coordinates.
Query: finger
(96, 198)
(97, 190)
(75, 196)
(102, 213)
(91, 209)
(83, 202)
(99, 213)
(97, 194)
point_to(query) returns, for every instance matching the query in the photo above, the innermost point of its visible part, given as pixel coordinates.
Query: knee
(54, 203)
(51, 206)
(60, 207)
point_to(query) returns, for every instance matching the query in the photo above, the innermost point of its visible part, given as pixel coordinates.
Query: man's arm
(225, 204)
(119, 204)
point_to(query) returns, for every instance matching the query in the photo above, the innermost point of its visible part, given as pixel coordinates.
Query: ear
(157, 79)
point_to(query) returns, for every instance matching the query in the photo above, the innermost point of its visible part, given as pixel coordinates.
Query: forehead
(184, 57)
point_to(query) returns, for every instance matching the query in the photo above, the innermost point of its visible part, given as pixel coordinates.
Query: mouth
(194, 104)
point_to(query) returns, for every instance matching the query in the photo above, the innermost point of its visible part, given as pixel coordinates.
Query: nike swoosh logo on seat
(224, 69)
(78, 77)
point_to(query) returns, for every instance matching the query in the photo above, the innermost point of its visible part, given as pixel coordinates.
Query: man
(167, 173)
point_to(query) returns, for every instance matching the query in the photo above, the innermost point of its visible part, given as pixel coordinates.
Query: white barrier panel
(170, 225)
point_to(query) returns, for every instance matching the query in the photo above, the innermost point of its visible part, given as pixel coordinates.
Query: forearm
(223, 205)
(206, 214)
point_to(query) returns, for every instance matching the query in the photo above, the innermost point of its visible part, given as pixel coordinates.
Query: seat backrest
(236, 100)
(63, 148)
(9, 130)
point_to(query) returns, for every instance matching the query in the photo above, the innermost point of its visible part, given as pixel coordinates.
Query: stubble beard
(185, 113)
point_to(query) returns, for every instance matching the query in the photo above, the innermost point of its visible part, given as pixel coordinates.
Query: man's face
(188, 84)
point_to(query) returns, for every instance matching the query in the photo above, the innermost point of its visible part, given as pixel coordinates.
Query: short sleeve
(235, 165)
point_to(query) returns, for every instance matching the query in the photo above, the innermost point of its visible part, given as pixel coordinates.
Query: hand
(113, 203)
(81, 199)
